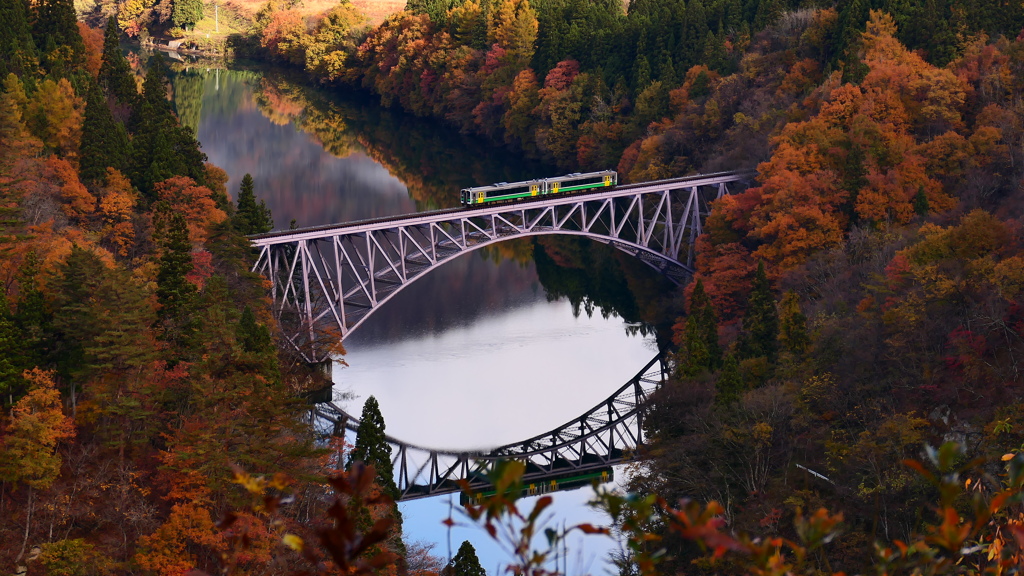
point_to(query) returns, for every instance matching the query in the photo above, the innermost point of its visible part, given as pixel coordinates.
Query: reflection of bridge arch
(600, 438)
(329, 279)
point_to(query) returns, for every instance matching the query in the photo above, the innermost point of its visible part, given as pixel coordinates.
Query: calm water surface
(473, 355)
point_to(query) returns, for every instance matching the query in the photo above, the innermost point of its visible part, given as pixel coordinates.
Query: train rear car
(578, 181)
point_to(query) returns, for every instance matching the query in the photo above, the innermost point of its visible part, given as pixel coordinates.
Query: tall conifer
(104, 141)
(175, 294)
(465, 562)
(700, 350)
(115, 76)
(17, 49)
(372, 446)
(250, 217)
(761, 322)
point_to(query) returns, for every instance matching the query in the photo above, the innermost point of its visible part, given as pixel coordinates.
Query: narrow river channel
(474, 355)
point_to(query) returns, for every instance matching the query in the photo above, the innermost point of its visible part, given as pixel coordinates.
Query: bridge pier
(323, 371)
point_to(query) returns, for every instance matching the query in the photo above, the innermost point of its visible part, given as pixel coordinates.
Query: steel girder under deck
(600, 438)
(326, 281)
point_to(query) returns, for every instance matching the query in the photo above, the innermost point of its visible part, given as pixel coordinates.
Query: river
(491, 348)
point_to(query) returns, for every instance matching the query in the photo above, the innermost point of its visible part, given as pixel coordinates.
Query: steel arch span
(327, 280)
(602, 437)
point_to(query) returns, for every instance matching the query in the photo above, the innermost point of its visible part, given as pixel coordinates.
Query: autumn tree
(792, 324)
(28, 449)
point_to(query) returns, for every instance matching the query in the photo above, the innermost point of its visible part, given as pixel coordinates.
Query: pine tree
(32, 316)
(104, 142)
(372, 447)
(257, 346)
(251, 218)
(56, 34)
(17, 49)
(175, 294)
(465, 562)
(12, 354)
(116, 77)
(761, 323)
(700, 350)
(729, 386)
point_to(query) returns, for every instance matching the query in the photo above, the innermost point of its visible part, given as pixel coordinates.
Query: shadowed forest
(862, 303)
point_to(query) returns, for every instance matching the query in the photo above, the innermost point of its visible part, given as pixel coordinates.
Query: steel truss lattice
(600, 438)
(326, 281)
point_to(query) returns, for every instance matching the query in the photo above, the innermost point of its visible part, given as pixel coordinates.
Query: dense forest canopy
(863, 300)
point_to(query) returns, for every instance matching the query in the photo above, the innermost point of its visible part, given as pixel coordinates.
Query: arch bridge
(327, 280)
(600, 438)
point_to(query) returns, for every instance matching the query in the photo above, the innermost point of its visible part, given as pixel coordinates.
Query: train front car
(501, 192)
(576, 182)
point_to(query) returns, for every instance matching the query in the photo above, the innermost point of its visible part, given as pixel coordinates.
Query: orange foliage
(78, 203)
(194, 202)
(117, 204)
(93, 39)
(187, 540)
(28, 450)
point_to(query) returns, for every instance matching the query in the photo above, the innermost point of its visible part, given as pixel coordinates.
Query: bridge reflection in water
(562, 458)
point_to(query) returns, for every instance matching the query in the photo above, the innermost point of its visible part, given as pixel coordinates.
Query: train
(515, 191)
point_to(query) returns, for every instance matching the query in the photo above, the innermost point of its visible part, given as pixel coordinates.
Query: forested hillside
(141, 386)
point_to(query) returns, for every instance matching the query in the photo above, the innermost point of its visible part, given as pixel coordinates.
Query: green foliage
(729, 387)
(372, 447)
(175, 294)
(464, 563)
(74, 557)
(55, 29)
(104, 141)
(160, 146)
(761, 321)
(699, 350)
(17, 49)
(186, 13)
(12, 355)
(115, 76)
(250, 217)
(792, 324)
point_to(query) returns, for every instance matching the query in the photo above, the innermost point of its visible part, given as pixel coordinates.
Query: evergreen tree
(792, 324)
(115, 76)
(761, 322)
(12, 355)
(17, 49)
(161, 147)
(251, 218)
(257, 347)
(700, 350)
(175, 294)
(729, 386)
(465, 562)
(104, 142)
(32, 316)
(56, 34)
(75, 320)
(921, 205)
(372, 447)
